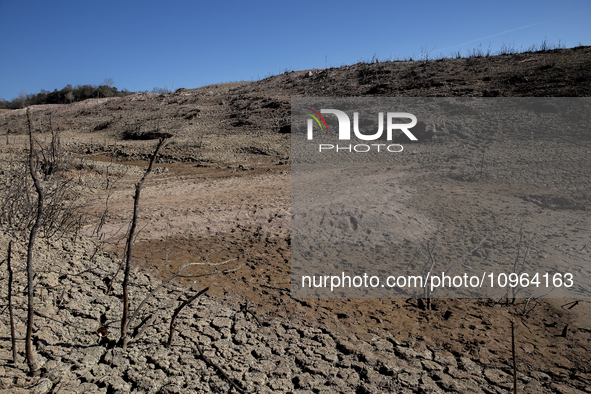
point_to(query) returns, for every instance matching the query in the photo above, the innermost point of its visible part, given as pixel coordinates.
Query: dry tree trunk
(12, 332)
(129, 246)
(30, 352)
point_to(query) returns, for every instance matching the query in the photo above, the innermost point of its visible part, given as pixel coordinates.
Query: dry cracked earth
(220, 196)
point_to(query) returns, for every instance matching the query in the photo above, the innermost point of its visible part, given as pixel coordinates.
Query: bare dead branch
(246, 311)
(470, 252)
(281, 289)
(186, 265)
(12, 331)
(130, 240)
(178, 310)
(146, 298)
(211, 273)
(30, 352)
(63, 322)
(218, 369)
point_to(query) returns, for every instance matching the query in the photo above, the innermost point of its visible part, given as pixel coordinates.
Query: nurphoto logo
(392, 119)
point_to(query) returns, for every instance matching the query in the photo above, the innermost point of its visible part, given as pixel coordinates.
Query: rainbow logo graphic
(315, 115)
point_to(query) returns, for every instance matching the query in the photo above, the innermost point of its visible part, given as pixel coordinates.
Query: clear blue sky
(147, 44)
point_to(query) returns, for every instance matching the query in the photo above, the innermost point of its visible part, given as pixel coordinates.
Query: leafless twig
(130, 240)
(218, 369)
(151, 294)
(470, 252)
(188, 301)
